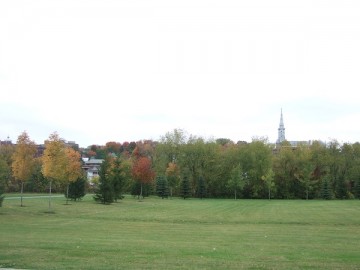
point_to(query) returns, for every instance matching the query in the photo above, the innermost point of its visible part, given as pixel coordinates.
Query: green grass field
(180, 234)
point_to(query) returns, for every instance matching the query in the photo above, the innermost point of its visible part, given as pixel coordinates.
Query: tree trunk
(67, 193)
(235, 194)
(269, 193)
(21, 197)
(50, 196)
(141, 191)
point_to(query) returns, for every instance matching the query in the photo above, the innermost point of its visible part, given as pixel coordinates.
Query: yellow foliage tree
(53, 160)
(23, 160)
(72, 168)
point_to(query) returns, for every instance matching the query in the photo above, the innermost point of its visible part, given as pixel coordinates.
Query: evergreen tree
(77, 189)
(105, 190)
(162, 187)
(118, 179)
(2, 196)
(326, 189)
(357, 189)
(201, 188)
(341, 192)
(4, 170)
(185, 191)
(136, 188)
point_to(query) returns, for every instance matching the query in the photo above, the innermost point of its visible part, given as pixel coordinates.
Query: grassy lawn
(180, 234)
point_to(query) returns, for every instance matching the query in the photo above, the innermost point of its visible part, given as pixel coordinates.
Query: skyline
(126, 71)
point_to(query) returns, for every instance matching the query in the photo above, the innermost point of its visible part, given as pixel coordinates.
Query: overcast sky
(125, 70)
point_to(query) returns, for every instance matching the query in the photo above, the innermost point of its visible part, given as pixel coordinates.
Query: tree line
(186, 166)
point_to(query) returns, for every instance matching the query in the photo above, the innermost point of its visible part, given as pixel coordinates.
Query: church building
(281, 135)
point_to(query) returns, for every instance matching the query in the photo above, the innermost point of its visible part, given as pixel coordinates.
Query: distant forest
(189, 166)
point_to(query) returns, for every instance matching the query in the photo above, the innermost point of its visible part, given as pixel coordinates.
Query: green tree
(201, 187)
(357, 189)
(340, 188)
(326, 191)
(162, 188)
(6, 153)
(287, 167)
(185, 190)
(237, 180)
(37, 181)
(105, 190)
(2, 190)
(269, 180)
(118, 179)
(256, 160)
(76, 190)
(4, 172)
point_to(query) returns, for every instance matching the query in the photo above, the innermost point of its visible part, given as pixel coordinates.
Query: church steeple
(281, 130)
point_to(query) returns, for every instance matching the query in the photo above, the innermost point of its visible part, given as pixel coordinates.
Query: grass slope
(180, 234)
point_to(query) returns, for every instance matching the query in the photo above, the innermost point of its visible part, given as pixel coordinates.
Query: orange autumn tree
(143, 172)
(173, 176)
(72, 168)
(53, 161)
(23, 160)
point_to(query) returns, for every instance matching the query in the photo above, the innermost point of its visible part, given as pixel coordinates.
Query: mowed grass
(180, 234)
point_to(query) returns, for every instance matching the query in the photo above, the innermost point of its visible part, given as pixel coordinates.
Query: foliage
(237, 180)
(76, 189)
(137, 188)
(172, 176)
(117, 178)
(201, 188)
(142, 172)
(269, 180)
(162, 187)
(53, 161)
(4, 172)
(2, 190)
(23, 160)
(185, 189)
(326, 191)
(357, 189)
(6, 152)
(37, 181)
(72, 167)
(53, 158)
(105, 190)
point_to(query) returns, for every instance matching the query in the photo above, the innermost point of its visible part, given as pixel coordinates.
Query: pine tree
(341, 192)
(201, 188)
(2, 196)
(105, 190)
(162, 187)
(357, 189)
(77, 189)
(118, 179)
(185, 191)
(326, 189)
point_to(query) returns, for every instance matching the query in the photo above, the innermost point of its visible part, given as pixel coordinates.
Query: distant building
(6, 142)
(281, 136)
(92, 167)
(281, 130)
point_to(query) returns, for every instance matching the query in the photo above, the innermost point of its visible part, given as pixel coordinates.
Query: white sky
(125, 70)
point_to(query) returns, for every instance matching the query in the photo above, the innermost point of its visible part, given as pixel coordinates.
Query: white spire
(281, 130)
